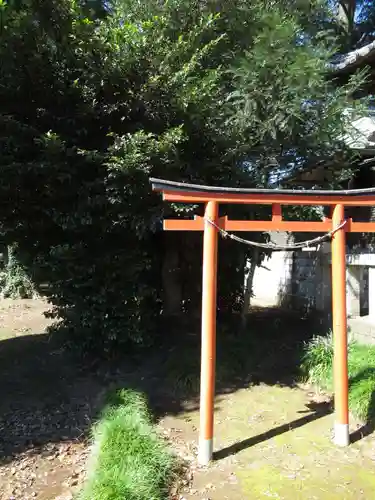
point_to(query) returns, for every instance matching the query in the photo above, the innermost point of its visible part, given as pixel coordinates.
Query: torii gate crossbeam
(211, 223)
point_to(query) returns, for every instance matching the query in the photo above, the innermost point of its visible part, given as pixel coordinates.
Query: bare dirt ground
(45, 408)
(273, 439)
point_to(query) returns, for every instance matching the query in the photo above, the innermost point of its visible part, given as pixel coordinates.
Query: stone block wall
(302, 280)
(296, 280)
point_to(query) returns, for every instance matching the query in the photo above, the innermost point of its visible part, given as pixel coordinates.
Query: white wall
(271, 279)
(273, 276)
(295, 279)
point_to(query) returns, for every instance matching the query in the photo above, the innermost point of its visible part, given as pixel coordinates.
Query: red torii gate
(211, 223)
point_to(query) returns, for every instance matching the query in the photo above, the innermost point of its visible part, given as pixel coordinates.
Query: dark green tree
(96, 98)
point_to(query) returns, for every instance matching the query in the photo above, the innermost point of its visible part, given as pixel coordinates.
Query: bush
(128, 460)
(317, 360)
(317, 368)
(15, 280)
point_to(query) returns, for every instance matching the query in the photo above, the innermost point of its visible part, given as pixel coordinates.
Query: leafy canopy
(98, 96)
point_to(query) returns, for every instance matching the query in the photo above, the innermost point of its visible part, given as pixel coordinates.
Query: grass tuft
(317, 361)
(129, 461)
(317, 366)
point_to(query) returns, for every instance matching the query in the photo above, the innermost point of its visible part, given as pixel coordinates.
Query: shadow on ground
(49, 395)
(314, 412)
(267, 351)
(46, 395)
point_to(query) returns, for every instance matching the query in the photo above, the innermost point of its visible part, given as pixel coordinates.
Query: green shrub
(129, 461)
(15, 280)
(317, 368)
(317, 360)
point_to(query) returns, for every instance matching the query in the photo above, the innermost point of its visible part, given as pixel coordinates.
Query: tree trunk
(249, 286)
(345, 15)
(171, 279)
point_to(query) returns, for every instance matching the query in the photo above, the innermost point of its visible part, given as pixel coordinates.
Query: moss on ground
(302, 463)
(273, 482)
(277, 443)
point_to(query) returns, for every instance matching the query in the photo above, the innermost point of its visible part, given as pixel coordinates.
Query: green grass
(317, 369)
(129, 461)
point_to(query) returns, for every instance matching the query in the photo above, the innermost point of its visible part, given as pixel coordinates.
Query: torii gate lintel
(211, 224)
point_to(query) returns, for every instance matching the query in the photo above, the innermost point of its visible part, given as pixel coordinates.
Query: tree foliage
(98, 97)
(354, 22)
(15, 279)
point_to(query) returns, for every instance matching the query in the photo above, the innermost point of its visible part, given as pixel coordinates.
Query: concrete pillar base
(205, 451)
(341, 434)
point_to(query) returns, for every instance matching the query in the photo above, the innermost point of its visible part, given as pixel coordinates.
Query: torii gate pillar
(208, 357)
(340, 338)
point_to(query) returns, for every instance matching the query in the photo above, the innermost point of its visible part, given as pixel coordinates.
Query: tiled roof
(361, 133)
